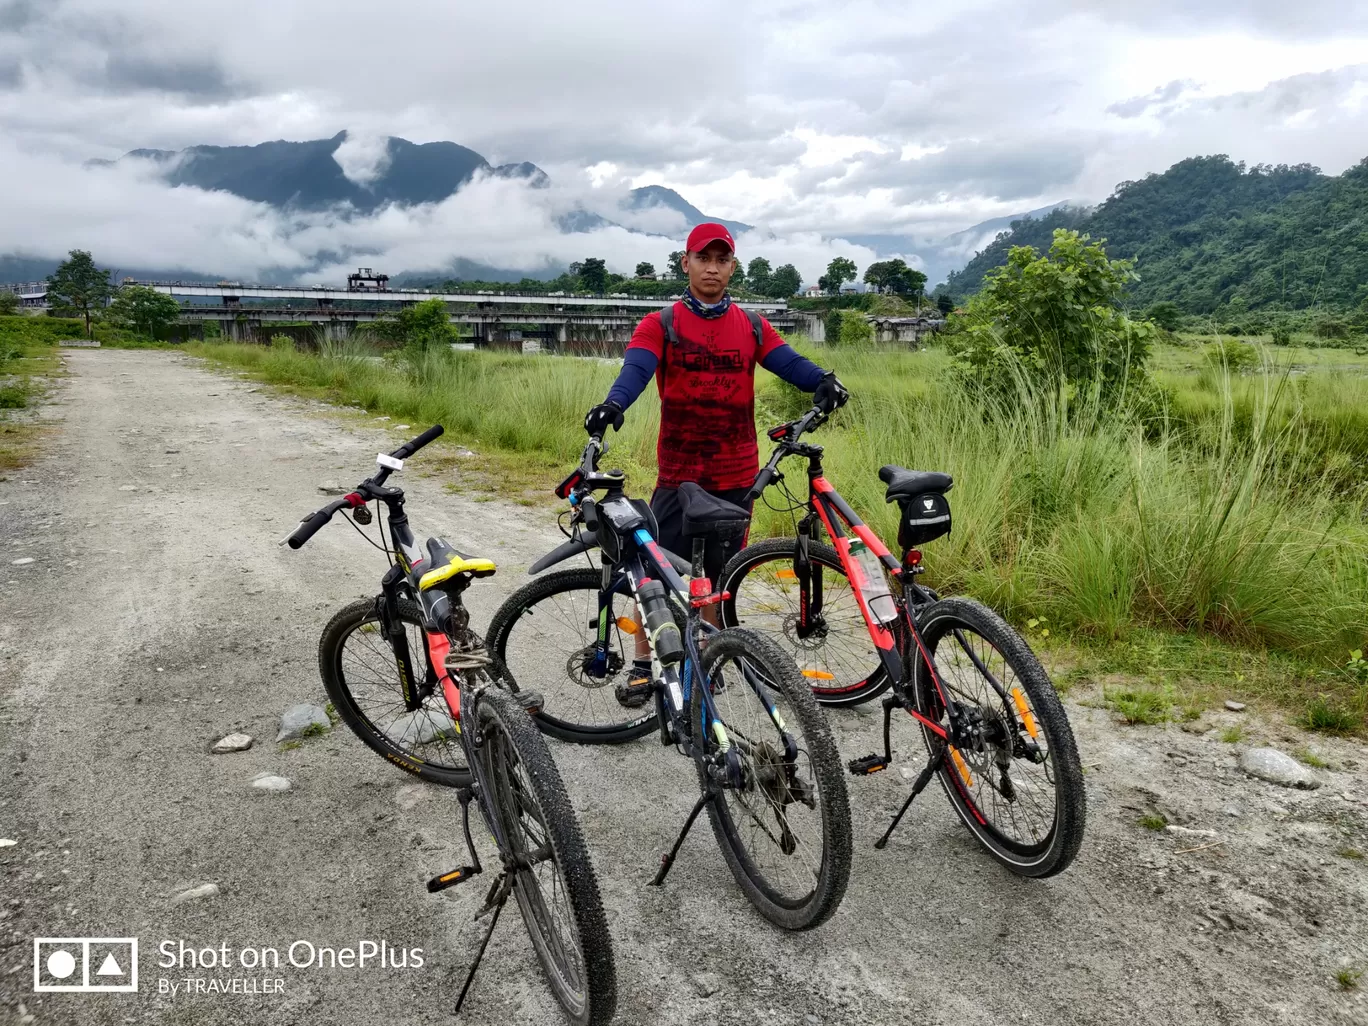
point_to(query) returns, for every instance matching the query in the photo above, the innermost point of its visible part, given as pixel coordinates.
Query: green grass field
(1217, 548)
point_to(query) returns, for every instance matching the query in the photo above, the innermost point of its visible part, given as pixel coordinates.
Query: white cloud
(804, 118)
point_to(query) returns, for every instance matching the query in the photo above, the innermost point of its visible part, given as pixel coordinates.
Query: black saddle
(706, 514)
(905, 484)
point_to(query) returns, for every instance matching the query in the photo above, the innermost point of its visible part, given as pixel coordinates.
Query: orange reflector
(1024, 711)
(819, 675)
(786, 575)
(960, 765)
(626, 623)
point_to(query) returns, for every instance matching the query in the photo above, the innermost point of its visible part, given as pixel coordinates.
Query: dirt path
(158, 614)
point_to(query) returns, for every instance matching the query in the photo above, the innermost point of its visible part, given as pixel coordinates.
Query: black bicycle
(856, 620)
(768, 769)
(485, 740)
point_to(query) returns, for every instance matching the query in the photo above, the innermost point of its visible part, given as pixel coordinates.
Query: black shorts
(669, 514)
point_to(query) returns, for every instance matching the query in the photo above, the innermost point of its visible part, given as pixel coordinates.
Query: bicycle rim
(839, 661)
(366, 669)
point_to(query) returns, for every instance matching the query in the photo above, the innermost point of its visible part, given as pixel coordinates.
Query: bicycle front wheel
(1014, 778)
(362, 681)
(785, 830)
(530, 814)
(544, 636)
(834, 652)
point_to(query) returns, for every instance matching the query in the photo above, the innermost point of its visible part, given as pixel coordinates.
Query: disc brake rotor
(577, 668)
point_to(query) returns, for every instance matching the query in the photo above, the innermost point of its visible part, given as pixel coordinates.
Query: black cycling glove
(597, 420)
(830, 394)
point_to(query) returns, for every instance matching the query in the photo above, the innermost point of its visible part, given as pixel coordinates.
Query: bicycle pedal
(533, 701)
(456, 876)
(869, 764)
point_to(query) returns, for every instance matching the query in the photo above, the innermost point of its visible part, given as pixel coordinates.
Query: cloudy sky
(812, 121)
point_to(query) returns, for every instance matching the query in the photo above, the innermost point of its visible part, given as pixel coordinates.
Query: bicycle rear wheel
(529, 812)
(362, 681)
(1015, 780)
(838, 659)
(544, 637)
(785, 832)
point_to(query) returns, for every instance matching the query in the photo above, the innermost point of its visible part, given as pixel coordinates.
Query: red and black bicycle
(858, 625)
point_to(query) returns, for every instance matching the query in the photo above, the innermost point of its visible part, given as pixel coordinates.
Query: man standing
(705, 371)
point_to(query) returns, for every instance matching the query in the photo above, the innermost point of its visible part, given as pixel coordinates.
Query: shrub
(283, 343)
(1052, 318)
(426, 326)
(1332, 327)
(848, 328)
(1236, 356)
(9, 303)
(1166, 315)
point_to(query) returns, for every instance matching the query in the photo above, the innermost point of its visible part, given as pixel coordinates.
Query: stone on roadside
(7, 842)
(706, 984)
(421, 727)
(270, 782)
(1234, 706)
(128, 488)
(1278, 768)
(332, 488)
(202, 891)
(297, 720)
(232, 743)
(1183, 831)
(23, 562)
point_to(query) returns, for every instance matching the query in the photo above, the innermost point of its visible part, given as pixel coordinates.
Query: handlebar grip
(409, 448)
(762, 481)
(310, 526)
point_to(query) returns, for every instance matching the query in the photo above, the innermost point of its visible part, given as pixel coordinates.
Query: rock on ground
(270, 782)
(232, 743)
(421, 726)
(297, 719)
(202, 891)
(1278, 768)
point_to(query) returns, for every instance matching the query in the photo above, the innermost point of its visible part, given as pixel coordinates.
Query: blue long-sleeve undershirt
(639, 366)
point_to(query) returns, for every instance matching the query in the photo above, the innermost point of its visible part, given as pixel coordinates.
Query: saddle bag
(923, 518)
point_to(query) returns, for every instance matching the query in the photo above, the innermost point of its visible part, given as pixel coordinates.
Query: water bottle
(881, 605)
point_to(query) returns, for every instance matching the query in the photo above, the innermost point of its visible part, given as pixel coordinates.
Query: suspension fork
(392, 630)
(809, 578)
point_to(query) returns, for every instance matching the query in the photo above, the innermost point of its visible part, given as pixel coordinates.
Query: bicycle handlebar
(409, 448)
(315, 521)
(588, 465)
(785, 435)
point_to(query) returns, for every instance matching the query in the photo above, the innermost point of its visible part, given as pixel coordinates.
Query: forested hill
(1211, 235)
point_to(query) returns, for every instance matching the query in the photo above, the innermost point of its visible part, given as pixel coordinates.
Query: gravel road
(157, 614)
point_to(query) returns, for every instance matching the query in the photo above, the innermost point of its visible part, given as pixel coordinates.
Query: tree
(945, 303)
(645, 269)
(9, 303)
(848, 328)
(758, 275)
(593, 273)
(674, 266)
(783, 283)
(426, 326)
(838, 272)
(896, 277)
(145, 309)
(1165, 314)
(79, 285)
(1056, 317)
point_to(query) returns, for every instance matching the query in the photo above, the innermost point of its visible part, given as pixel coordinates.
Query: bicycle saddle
(446, 562)
(705, 513)
(905, 484)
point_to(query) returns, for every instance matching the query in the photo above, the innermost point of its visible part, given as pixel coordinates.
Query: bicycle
(985, 707)
(768, 770)
(507, 768)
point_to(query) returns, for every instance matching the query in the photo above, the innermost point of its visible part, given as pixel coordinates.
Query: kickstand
(495, 899)
(667, 860)
(933, 764)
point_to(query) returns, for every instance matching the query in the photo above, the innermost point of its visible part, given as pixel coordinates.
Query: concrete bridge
(245, 312)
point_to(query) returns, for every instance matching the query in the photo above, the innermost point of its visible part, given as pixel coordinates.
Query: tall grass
(1223, 526)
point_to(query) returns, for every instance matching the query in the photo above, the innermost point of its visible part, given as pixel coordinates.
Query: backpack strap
(667, 323)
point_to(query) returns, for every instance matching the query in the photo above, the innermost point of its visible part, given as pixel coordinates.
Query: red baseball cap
(708, 232)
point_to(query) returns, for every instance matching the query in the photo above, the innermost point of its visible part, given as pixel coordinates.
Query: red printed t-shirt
(707, 396)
